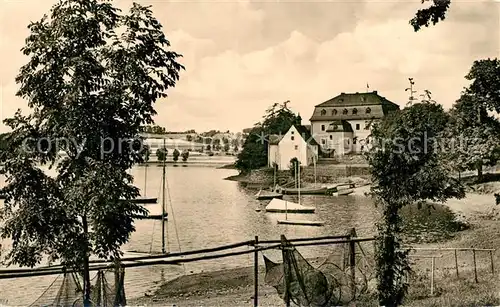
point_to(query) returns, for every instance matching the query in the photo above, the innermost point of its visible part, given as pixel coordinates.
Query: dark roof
(339, 126)
(274, 139)
(358, 106)
(357, 99)
(306, 134)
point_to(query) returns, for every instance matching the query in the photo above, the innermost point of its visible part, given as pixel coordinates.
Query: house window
(357, 126)
(367, 141)
(296, 147)
(323, 141)
(368, 110)
(354, 111)
(323, 112)
(331, 137)
(293, 138)
(322, 127)
(334, 112)
(347, 141)
(292, 132)
(345, 111)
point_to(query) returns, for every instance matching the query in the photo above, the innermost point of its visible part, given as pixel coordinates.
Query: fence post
(456, 262)
(352, 261)
(475, 267)
(285, 271)
(492, 266)
(432, 276)
(256, 273)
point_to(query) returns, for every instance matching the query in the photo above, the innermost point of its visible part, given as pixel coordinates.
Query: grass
(453, 291)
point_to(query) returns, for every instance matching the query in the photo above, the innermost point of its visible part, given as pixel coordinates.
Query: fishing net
(107, 289)
(329, 284)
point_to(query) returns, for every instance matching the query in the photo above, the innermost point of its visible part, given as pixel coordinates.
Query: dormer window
(323, 112)
(334, 112)
(368, 110)
(354, 111)
(345, 112)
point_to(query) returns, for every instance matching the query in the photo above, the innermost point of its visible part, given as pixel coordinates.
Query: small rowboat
(302, 223)
(305, 191)
(263, 195)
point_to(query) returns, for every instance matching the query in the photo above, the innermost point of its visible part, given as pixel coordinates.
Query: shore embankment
(234, 287)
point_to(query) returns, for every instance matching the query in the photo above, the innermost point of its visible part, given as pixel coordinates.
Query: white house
(342, 124)
(297, 142)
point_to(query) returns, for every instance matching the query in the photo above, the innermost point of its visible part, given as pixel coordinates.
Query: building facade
(342, 125)
(297, 142)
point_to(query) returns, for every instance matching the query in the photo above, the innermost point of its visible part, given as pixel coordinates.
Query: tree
(235, 149)
(4, 143)
(434, 13)
(176, 155)
(161, 154)
(146, 153)
(406, 168)
(189, 138)
(277, 120)
(185, 155)
(294, 164)
(226, 147)
(475, 132)
(92, 79)
(209, 147)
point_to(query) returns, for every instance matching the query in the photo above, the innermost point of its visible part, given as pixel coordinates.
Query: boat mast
(163, 203)
(298, 176)
(145, 177)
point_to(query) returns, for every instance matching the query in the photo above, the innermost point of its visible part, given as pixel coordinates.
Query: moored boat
(304, 191)
(263, 195)
(283, 206)
(301, 222)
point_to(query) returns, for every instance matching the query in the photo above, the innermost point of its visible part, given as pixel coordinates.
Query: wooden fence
(349, 239)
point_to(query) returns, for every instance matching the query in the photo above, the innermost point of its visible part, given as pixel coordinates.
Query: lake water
(207, 211)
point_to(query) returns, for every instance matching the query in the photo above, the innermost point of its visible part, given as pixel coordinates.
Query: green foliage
(146, 153)
(485, 86)
(161, 154)
(476, 133)
(294, 164)
(435, 13)
(93, 74)
(406, 167)
(185, 155)
(176, 155)
(277, 120)
(4, 142)
(153, 129)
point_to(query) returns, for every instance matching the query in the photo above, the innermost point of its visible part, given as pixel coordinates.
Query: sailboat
(144, 199)
(162, 216)
(265, 194)
(294, 208)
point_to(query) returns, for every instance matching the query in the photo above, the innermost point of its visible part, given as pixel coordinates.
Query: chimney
(375, 92)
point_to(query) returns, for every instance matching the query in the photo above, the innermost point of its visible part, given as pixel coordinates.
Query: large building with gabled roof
(342, 125)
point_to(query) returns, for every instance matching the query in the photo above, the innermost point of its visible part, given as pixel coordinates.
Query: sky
(243, 56)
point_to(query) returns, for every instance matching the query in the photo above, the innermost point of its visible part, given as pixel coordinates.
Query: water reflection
(206, 211)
